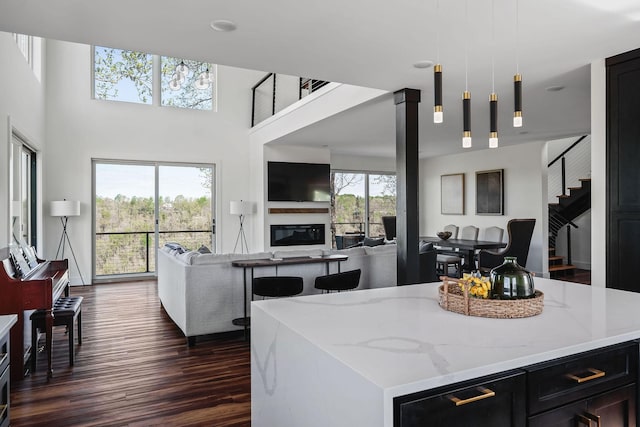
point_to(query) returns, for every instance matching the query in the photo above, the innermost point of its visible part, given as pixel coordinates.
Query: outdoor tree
(111, 66)
(340, 181)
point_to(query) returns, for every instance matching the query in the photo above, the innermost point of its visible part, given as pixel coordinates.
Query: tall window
(23, 190)
(124, 75)
(359, 201)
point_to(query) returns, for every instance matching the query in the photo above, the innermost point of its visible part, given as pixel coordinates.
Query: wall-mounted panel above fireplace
(297, 234)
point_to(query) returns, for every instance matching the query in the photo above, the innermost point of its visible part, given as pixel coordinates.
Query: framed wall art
(490, 192)
(452, 194)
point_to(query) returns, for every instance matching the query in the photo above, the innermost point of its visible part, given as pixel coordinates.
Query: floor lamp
(64, 209)
(241, 208)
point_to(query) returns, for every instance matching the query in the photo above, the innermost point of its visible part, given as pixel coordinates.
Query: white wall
(80, 129)
(22, 107)
(363, 163)
(525, 193)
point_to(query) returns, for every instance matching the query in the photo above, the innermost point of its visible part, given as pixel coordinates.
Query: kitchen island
(341, 359)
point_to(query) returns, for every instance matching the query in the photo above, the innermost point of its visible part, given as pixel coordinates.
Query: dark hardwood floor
(134, 369)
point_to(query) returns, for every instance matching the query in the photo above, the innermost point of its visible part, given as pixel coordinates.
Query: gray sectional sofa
(203, 293)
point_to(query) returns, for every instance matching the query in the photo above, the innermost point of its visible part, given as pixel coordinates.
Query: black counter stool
(339, 281)
(277, 286)
(65, 312)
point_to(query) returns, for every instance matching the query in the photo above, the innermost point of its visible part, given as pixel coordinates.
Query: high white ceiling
(375, 44)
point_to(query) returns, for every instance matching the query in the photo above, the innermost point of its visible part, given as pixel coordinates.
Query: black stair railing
(562, 158)
(561, 214)
(271, 94)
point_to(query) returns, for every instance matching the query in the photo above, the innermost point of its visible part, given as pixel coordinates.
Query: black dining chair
(344, 281)
(277, 286)
(520, 232)
(389, 224)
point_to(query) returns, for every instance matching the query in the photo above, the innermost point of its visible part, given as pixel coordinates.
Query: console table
(252, 264)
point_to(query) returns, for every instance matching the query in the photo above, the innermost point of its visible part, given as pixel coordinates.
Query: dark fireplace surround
(297, 234)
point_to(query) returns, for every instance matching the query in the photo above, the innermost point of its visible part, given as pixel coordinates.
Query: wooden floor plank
(135, 369)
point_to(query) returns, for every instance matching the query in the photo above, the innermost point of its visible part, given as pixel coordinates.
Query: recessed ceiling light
(554, 88)
(223, 25)
(423, 64)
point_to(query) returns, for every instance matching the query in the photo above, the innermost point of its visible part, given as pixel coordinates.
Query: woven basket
(452, 298)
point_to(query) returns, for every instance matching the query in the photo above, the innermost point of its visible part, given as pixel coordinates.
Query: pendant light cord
(493, 46)
(517, 37)
(437, 31)
(466, 46)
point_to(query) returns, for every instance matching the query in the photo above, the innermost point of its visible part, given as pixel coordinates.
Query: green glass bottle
(511, 281)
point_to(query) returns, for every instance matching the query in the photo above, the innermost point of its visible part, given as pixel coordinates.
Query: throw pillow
(373, 241)
(175, 247)
(204, 250)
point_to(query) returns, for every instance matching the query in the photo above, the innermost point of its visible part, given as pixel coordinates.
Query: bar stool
(277, 286)
(66, 310)
(339, 281)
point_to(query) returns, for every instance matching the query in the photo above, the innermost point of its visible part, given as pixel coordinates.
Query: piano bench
(65, 312)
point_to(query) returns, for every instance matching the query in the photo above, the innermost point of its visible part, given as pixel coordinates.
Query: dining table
(464, 245)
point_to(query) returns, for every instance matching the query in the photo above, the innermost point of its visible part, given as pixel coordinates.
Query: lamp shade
(240, 207)
(16, 208)
(65, 208)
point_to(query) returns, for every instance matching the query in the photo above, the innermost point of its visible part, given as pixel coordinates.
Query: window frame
(367, 194)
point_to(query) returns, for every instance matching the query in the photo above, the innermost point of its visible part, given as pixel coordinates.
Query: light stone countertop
(399, 339)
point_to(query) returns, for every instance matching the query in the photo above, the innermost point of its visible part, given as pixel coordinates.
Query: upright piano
(37, 288)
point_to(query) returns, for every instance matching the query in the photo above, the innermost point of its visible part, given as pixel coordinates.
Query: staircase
(561, 216)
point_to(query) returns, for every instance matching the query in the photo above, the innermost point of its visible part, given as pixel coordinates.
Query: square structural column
(407, 178)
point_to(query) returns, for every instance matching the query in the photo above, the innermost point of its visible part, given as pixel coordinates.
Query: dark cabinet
(594, 388)
(613, 408)
(623, 174)
(496, 401)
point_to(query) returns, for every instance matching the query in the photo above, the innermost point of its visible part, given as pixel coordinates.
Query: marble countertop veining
(399, 339)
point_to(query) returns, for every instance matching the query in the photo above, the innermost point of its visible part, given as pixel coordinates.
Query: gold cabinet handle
(587, 417)
(595, 374)
(485, 394)
(3, 411)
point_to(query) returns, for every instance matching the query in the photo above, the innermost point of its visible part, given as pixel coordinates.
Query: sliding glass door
(140, 206)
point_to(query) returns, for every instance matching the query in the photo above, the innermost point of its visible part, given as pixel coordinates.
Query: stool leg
(70, 329)
(79, 327)
(34, 345)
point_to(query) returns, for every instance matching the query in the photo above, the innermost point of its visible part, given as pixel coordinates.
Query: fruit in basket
(479, 287)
